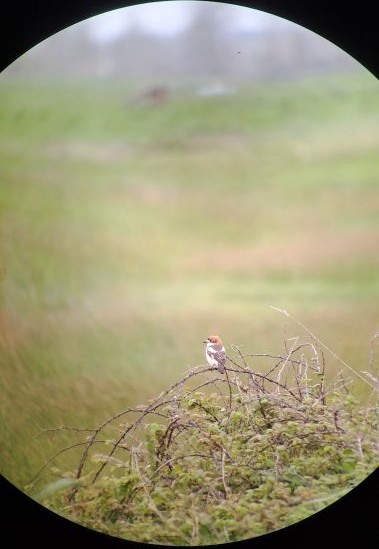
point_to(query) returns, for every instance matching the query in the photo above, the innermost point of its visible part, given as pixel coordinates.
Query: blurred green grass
(130, 232)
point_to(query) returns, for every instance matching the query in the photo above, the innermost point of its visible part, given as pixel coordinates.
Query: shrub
(218, 458)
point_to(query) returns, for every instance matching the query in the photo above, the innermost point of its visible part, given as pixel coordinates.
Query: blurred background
(168, 171)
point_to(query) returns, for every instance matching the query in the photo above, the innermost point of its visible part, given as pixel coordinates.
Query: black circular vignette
(353, 518)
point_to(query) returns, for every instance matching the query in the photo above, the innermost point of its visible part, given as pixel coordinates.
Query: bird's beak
(205, 341)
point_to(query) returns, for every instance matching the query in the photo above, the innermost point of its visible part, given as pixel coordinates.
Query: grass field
(131, 232)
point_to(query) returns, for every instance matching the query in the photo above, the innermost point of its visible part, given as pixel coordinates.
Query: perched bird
(215, 353)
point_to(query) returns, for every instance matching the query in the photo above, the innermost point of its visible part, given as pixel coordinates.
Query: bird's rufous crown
(214, 339)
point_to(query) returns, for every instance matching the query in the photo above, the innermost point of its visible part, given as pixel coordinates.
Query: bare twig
(223, 474)
(230, 389)
(373, 342)
(59, 429)
(278, 378)
(153, 507)
(323, 345)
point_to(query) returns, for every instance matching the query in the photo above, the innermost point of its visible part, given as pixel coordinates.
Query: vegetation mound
(218, 458)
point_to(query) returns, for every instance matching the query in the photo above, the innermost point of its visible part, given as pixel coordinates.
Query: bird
(215, 353)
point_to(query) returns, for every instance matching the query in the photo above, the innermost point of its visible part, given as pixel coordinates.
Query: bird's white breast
(210, 353)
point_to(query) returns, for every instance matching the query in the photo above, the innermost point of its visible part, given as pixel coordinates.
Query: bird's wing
(220, 357)
(217, 354)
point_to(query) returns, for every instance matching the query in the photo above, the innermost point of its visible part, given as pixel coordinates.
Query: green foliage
(248, 456)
